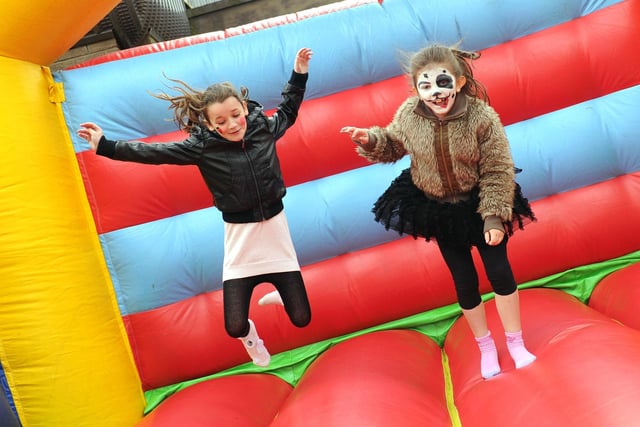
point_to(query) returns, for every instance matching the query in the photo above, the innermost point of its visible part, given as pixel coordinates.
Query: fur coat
(450, 157)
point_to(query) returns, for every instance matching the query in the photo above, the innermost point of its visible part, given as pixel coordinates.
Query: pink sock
(489, 365)
(517, 350)
(271, 298)
(255, 347)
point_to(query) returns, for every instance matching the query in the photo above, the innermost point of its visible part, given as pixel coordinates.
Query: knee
(468, 292)
(301, 319)
(237, 329)
(469, 299)
(502, 281)
(505, 289)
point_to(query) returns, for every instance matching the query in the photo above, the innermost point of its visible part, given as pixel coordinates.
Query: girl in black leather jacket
(232, 142)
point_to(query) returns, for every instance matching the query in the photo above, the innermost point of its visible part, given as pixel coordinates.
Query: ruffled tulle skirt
(405, 208)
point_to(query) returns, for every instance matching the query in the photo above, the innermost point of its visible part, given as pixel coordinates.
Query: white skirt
(257, 248)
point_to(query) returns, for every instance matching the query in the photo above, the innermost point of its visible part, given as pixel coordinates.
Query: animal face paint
(438, 87)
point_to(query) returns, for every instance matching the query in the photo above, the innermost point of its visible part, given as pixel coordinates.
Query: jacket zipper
(255, 180)
(442, 153)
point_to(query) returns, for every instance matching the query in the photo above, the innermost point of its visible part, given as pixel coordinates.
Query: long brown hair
(190, 105)
(458, 60)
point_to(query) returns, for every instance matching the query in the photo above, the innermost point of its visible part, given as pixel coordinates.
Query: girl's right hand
(301, 64)
(92, 133)
(357, 135)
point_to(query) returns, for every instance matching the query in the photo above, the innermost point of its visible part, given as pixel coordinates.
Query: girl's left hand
(92, 133)
(301, 65)
(357, 135)
(493, 237)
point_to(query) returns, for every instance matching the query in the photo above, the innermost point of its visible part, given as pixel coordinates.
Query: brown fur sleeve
(495, 168)
(388, 147)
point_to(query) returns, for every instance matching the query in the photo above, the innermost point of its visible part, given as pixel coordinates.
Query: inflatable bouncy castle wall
(110, 296)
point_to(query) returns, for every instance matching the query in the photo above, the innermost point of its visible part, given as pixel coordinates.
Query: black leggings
(465, 276)
(236, 294)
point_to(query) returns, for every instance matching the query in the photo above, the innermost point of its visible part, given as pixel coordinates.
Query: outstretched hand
(92, 133)
(357, 135)
(301, 65)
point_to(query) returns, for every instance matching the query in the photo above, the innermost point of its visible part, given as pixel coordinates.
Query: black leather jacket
(244, 178)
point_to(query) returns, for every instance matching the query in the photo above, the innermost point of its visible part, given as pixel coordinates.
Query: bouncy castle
(110, 298)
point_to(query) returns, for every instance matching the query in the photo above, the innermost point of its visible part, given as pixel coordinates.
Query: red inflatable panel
(116, 196)
(581, 52)
(517, 73)
(187, 339)
(618, 296)
(182, 341)
(388, 378)
(586, 373)
(568, 231)
(240, 401)
(362, 289)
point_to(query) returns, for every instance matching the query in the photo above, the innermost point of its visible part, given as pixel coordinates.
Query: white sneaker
(271, 298)
(255, 347)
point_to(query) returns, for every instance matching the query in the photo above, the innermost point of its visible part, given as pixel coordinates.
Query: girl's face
(438, 87)
(228, 118)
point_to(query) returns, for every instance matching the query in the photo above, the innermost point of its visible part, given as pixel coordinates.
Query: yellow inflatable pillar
(63, 346)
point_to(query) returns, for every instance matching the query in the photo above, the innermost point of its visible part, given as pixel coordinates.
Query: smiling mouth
(441, 102)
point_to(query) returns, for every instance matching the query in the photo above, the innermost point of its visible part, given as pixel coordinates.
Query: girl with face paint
(460, 189)
(243, 174)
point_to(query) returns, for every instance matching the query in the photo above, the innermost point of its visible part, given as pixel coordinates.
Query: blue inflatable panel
(353, 47)
(577, 146)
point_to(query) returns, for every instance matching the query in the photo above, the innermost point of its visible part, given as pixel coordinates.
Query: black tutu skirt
(405, 208)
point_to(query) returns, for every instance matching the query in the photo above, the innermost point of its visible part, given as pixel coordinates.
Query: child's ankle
(255, 347)
(518, 351)
(489, 365)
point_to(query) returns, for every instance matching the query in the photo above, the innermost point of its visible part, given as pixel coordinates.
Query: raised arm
(292, 95)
